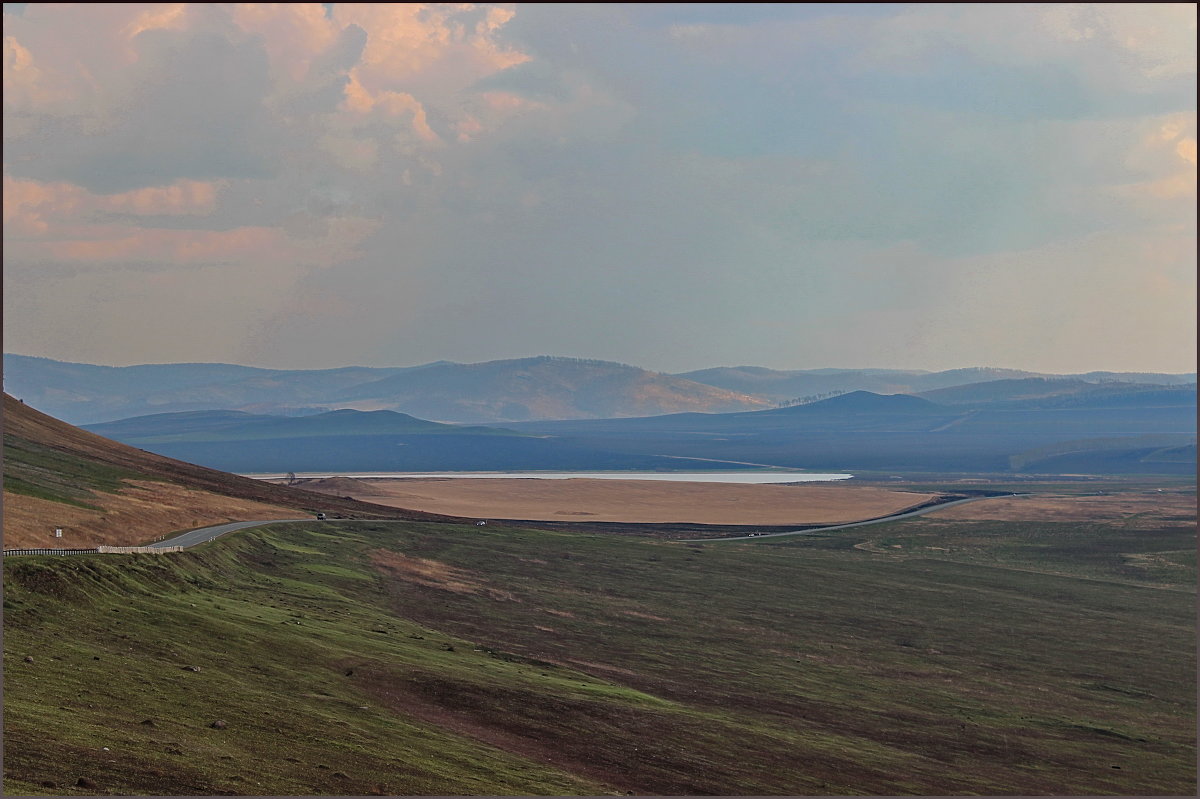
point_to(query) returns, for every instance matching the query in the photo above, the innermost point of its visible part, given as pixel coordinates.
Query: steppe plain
(1037, 644)
(633, 501)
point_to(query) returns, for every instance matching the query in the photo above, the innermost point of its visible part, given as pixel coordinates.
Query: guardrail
(101, 550)
(137, 550)
(220, 529)
(8, 552)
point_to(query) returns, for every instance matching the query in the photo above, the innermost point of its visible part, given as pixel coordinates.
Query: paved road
(193, 537)
(199, 536)
(819, 530)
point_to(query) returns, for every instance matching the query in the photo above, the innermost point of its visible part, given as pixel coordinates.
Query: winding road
(819, 530)
(199, 536)
(204, 534)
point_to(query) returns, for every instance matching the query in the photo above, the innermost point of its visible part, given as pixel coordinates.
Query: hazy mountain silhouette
(522, 389)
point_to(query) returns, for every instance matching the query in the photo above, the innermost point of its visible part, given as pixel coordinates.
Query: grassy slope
(518, 661)
(1163, 556)
(49, 459)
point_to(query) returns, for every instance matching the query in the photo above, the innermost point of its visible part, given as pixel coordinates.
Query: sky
(676, 186)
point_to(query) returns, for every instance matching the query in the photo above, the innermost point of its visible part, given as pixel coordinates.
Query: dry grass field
(401, 658)
(103, 492)
(1150, 507)
(140, 511)
(647, 501)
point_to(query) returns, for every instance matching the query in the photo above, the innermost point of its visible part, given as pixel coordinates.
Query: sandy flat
(632, 500)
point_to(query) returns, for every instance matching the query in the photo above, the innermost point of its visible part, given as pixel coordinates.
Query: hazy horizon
(673, 186)
(352, 365)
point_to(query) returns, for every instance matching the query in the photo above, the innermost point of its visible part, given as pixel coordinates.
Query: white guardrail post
(137, 550)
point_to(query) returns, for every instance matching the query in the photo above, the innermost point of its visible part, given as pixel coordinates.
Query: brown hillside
(338, 486)
(153, 496)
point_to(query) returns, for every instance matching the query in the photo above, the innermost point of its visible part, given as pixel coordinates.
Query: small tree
(291, 478)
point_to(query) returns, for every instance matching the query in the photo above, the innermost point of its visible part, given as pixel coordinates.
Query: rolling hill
(857, 431)
(404, 658)
(522, 389)
(1041, 392)
(84, 393)
(780, 385)
(349, 440)
(240, 426)
(542, 388)
(104, 492)
(861, 431)
(496, 391)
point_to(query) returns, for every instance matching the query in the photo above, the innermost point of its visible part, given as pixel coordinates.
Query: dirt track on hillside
(649, 501)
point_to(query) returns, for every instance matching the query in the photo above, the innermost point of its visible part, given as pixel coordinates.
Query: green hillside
(118, 494)
(412, 658)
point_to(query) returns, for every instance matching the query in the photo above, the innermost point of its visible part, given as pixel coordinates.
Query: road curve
(193, 537)
(204, 534)
(818, 530)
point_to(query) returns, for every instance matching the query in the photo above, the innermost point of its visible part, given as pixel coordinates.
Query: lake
(687, 477)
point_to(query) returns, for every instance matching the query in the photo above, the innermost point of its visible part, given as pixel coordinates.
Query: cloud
(665, 184)
(31, 208)
(190, 105)
(435, 48)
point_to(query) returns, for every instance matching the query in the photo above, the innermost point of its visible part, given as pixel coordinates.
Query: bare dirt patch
(639, 615)
(337, 486)
(430, 573)
(604, 668)
(137, 514)
(641, 500)
(434, 574)
(1151, 508)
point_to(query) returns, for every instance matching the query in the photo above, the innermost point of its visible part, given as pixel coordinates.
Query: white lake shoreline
(742, 477)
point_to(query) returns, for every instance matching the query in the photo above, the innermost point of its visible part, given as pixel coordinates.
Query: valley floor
(1049, 655)
(632, 501)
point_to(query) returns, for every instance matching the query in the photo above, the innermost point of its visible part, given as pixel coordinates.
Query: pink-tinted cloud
(442, 47)
(63, 223)
(32, 207)
(294, 34)
(1165, 154)
(100, 245)
(182, 197)
(447, 169)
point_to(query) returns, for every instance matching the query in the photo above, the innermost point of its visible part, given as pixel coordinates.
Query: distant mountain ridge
(239, 426)
(514, 390)
(495, 391)
(781, 386)
(857, 402)
(542, 388)
(1040, 392)
(1105, 429)
(1100, 430)
(350, 440)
